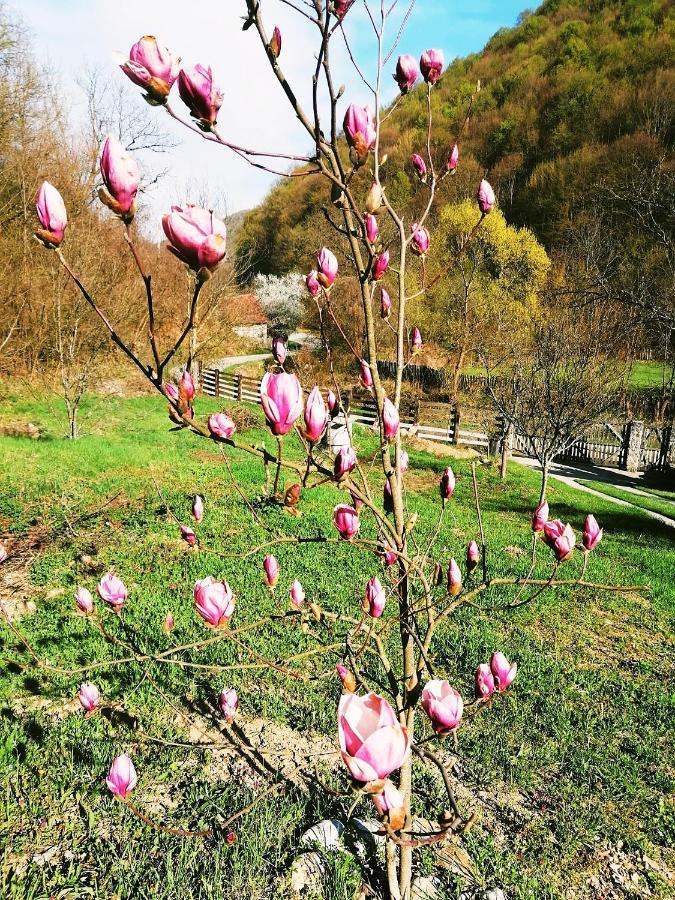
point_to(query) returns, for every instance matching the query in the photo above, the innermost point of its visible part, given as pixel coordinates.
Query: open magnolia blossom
(214, 601)
(281, 398)
(373, 743)
(443, 705)
(113, 590)
(196, 236)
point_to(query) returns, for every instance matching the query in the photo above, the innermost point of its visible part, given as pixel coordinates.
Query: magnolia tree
(410, 595)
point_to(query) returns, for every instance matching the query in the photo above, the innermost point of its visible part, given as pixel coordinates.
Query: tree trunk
(73, 429)
(544, 480)
(458, 371)
(506, 451)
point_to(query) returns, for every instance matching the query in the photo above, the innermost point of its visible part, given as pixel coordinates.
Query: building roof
(244, 309)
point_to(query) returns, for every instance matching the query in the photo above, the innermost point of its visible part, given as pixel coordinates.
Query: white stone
(327, 834)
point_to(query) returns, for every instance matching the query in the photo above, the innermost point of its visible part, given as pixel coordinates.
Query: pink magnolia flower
(89, 696)
(113, 591)
(420, 240)
(372, 742)
(331, 402)
(390, 556)
(540, 517)
(390, 806)
(229, 704)
(416, 339)
(121, 778)
(151, 66)
(312, 282)
(51, 212)
(188, 535)
(406, 73)
(385, 304)
(316, 416)
(380, 266)
(447, 484)
(443, 705)
(372, 228)
(347, 678)
(359, 129)
(405, 461)
(560, 538)
(198, 508)
(472, 556)
(327, 267)
(187, 387)
(342, 8)
(214, 601)
(200, 94)
(390, 419)
(485, 682)
(121, 178)
(366, 376)
(169, 623)
(84, 600)
(454, 578)
(297, 593)
(344, 462)
(374, 599)
(346, 520)
(486, 197)
(275, 42)
(271, 567)
(453, 159)
(592, 533)
(503, 671)
(221, 426)
(171, 391)
(279, 350)
(419, 165)
(431, 65)
(281, 398)
(196, 236)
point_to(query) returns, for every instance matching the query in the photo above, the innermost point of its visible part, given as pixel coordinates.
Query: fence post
(632, 446)
(415, 412)
(240, 395)
(455, 424)
(667, 452)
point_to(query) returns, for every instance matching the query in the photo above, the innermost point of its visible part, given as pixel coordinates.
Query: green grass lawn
(576, 759)
(653, 504)
(648, 375)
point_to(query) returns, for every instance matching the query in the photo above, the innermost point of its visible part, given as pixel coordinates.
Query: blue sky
(73, 34)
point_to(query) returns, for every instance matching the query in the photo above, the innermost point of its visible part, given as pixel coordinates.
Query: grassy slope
(655, 504)
(585, 735)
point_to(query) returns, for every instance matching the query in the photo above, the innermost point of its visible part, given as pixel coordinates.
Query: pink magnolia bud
(221, 426)
(373, 744)
(443, 705)
(279, 350)
(198, 508)
(447, 484)
(347, 678)
(113, 591)
(316, 416)
(271, 567)
(485, 683)
(169, 623)
(380, 266)
(374, 599)
(196, 237)
(357, 502)
(121, 178)
(312, 282)
(359, 130)
(281, 398)
(592, 533)
(560, 538)
(187, 386)
(431, 65)
(346, 520)
(390, 419)
(121, 778)
(51, 212)
(416, 339)
(503, 671)
(344, 462)
(390, 806)
(486, 198)
(407, 72)
(229, 704)
(188, 535)
(151, 66)
(540, 517)
(366, 376)
(89, 696)
(171, 391)
(331, 401)
(419, 165)
(385, 304)
(453, 159)
(342, 8)
(405, 461)
(200, 94)
(297, 593)
(390, 557)
(472, 556)
(454, 579)
(275, 42)
(327, 267)
(84, 601)
(372, 228)
(214, 601)
(375, 198)
(419, 240)
(387, 498)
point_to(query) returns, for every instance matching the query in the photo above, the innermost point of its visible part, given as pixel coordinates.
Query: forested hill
(569, 97)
